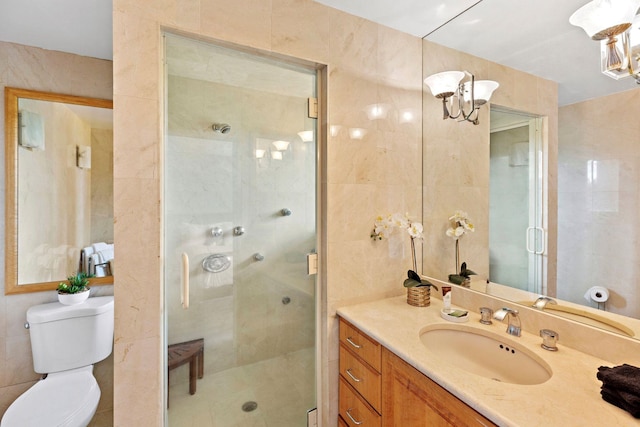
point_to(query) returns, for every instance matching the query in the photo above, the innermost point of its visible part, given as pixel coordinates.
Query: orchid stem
(413, 256)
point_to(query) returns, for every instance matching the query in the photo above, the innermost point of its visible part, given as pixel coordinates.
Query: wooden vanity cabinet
(410, 398)
(360, 378)
(377, 388)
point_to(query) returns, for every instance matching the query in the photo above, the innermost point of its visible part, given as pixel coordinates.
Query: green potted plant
(75, 290)
(464, 277)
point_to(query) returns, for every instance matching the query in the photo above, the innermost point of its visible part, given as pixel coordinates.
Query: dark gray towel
(628, 402)
(621, 378)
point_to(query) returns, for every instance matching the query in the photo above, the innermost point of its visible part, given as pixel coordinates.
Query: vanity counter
(571, 397)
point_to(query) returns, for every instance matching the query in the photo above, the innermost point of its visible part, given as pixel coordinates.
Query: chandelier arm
(472, 102)
(445, 111)
(457, 97)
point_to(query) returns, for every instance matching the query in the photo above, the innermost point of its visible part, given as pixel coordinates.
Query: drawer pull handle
(352, 343)
(351, 417)
(353, 377)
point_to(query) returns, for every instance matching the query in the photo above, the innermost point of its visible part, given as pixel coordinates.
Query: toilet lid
(67, 399)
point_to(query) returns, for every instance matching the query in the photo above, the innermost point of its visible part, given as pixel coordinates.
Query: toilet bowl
(67, 398)
(66, 341)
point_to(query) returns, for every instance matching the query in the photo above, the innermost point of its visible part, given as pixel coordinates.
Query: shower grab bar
(184, 285)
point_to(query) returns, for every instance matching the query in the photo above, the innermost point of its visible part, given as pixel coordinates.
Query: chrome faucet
(542, 302)
(514, 320)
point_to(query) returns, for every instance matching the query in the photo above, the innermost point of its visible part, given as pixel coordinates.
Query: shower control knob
(216, 231)
(285, 211)
(26, 325)
(258, 256)
(238, 231)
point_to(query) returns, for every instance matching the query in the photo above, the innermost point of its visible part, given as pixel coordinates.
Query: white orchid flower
(460, 225)
(415, 230)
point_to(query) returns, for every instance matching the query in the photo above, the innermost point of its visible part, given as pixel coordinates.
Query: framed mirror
(59, 189)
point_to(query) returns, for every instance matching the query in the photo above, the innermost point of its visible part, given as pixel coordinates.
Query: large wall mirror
(591, 241)
(59, 189)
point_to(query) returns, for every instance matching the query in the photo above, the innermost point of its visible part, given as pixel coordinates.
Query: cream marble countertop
(571, 397)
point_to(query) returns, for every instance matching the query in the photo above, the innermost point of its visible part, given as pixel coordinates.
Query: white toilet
(66, 340)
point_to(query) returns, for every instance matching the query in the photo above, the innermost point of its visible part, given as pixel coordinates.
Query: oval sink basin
(486, 354)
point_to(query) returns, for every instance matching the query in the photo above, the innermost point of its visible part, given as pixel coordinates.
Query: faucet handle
(485, 315)
(542, 301)
(514, 321)
(549, 339)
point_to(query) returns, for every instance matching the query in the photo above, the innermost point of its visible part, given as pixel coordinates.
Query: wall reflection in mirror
(60, 177)
(597, 192)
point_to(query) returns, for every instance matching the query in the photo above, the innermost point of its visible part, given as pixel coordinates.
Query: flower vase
(419, 296)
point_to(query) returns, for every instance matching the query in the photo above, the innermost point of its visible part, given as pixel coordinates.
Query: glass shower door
(239, 221)
(516, 222)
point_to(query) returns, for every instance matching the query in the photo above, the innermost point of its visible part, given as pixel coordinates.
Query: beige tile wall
(38, 69)
(367, 64)
(598, 212)
(456, 161)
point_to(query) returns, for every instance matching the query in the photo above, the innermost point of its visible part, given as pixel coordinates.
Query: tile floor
(283, 388)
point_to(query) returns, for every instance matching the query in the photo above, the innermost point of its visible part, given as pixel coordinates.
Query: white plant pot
(73, 299)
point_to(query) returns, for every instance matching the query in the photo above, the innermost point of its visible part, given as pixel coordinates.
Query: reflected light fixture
(377, 111)
(460, 100)
(407, 115)
(357, 133)
(614, 23)
(281, 145)
(306, 135)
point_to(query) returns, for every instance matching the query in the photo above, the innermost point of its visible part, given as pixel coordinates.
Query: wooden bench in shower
(181, 353)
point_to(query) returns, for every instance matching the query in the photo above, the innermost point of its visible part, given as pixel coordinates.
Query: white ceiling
(530, 35)
(82, 27)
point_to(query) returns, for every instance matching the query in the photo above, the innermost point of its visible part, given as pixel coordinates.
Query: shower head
(221, 127)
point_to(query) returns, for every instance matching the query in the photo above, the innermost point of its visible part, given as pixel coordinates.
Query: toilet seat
(63, 399)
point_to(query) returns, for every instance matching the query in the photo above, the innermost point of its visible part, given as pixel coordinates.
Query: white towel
(100, 262)
(99, 246)
(106, 254)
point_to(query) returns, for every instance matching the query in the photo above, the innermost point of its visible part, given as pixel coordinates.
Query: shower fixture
(221, 127)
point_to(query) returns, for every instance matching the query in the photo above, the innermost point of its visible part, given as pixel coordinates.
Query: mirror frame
(11, 98)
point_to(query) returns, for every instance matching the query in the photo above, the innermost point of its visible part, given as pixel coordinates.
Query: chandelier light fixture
(615, 24)
(461, 100)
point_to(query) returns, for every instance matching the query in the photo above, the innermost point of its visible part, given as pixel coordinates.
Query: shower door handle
(534, 250)
(184, 288)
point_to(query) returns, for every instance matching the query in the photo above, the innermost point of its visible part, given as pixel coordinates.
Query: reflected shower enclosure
(235, 272)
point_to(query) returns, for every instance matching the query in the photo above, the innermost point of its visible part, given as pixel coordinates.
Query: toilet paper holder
(597, 294)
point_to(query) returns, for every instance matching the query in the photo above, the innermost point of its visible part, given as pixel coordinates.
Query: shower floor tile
(282, 387)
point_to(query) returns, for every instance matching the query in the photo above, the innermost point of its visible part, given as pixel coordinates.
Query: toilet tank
(66, 337)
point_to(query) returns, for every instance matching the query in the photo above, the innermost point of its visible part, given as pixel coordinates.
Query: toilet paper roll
(597, 294)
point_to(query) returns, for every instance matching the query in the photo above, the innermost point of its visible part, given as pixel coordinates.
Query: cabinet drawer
(360, 344)
(362, 378)
(341, 422)
(354, 410)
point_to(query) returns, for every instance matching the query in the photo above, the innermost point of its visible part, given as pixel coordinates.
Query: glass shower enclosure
(239, 220)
